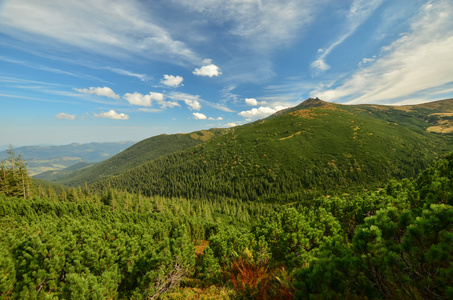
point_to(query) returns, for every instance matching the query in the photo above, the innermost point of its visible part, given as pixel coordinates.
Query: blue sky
(97, 70)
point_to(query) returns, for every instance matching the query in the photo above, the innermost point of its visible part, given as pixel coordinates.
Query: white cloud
(149, 110)
(173, 81)
(194, 101)
(208, 70)
(358, 13)
(261, 112)
(227, 93)
(111, 114)
(232, 125)
(100, 91)
(142, 77)
(65, 116)
(199, 116)
(124, 29)
(177, 96)
(215, 119)
(251, 101)
(420, 60)
(319, 66)
(193, 104)
(143, 100)
(367, 61)
(253, 22)
(165, 104)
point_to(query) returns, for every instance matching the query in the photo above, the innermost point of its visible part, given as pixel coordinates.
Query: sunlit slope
(314, 146)
(135, 155)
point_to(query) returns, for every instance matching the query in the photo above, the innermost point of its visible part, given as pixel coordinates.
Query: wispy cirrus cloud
(125, 29)
(142, 77)
(46, 68)
(358, 13)
(263, 24)
(420, 60)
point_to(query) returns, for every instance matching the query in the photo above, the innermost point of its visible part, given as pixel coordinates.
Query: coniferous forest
(335, 237)
(395, 243)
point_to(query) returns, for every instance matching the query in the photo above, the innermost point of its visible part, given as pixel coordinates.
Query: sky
(105, 70)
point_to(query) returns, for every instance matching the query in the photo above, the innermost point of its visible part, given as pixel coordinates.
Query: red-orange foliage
(249, 279)
(258, 281)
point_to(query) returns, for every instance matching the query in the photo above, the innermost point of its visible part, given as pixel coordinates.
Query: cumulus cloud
(416, 63)
(111, 114)
(208, 69)
(65, 116)
(173, 81)
(143, 100)
(215, 119)
(100, 91)
(232, 125)
(199, 116)
(165, 104)
(261, 112)
(148, 100)
(193, 104)
(251, 101)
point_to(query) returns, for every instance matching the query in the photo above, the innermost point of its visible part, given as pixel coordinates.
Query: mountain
(142, 152)
(49, 158)
(315, 146)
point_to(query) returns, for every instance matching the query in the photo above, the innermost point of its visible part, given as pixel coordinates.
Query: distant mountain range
(315, 146)
(50, 158)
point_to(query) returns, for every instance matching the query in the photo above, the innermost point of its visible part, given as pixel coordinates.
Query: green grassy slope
(57, 175)
(135, 155)
(314, 146)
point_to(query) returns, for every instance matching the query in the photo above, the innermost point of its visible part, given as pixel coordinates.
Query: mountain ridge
(316, 145)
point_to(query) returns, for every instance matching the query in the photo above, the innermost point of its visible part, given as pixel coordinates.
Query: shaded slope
(314, 146)
(135, 155)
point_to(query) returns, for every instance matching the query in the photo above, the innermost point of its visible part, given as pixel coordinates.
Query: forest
(393, 242)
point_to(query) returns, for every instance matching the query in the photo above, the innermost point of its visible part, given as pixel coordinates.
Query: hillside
(79, 243)
(315, 146)
(142, 152)
(50, 158)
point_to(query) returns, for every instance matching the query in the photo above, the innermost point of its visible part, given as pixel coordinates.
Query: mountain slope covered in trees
(315, 146)
(395, 243)
(144, 151)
